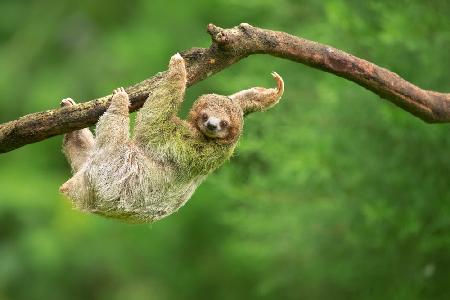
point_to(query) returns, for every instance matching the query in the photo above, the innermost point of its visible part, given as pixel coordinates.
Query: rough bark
(228, 47)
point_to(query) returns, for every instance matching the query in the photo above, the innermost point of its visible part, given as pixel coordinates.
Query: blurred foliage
(333, 194)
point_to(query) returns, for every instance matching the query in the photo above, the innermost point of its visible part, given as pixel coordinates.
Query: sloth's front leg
(162, 105)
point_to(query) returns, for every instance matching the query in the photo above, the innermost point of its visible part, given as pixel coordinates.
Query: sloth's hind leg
(76, 188)
(77, 145)
(112, 131)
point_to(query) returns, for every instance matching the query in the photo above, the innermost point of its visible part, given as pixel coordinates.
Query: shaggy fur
(152, 174)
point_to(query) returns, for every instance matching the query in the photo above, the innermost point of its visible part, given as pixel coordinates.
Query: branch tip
(213, 30)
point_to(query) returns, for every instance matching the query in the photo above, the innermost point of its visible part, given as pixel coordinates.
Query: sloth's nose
(211, 126)
(212, 123)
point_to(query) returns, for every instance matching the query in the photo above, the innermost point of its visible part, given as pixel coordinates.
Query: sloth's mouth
(209, 133)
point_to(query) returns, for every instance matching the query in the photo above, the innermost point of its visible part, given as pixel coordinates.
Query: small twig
(228, 47)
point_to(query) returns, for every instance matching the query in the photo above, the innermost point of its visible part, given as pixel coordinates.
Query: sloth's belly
(134, 188)
(144, 207)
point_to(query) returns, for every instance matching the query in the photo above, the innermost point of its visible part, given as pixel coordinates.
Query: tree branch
(228, 47)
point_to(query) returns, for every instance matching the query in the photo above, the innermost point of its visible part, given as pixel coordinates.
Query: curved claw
(176, 60)
(67, 102)
(119, 90)
(280, 83)
(177, 69)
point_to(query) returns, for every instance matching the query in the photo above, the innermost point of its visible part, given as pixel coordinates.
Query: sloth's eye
(223, 124)
(204, 116)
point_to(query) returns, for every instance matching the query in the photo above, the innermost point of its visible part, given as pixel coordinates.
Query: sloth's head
(221, 118)
(217, 117)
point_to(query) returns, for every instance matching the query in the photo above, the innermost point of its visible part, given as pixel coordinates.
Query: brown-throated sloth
(149, 176)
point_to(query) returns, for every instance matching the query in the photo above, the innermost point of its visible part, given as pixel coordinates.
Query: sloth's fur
(152, 174)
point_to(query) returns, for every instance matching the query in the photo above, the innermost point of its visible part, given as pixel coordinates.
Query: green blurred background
(332, 194)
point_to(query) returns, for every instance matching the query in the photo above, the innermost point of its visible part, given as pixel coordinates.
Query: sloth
(147, 176)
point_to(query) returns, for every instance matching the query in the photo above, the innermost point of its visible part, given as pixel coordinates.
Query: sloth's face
(213, 124)
(217, 117)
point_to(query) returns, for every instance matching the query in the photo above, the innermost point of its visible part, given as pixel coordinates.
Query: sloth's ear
(258, 98)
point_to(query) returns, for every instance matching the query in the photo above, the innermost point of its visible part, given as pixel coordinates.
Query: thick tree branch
(228, 47)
